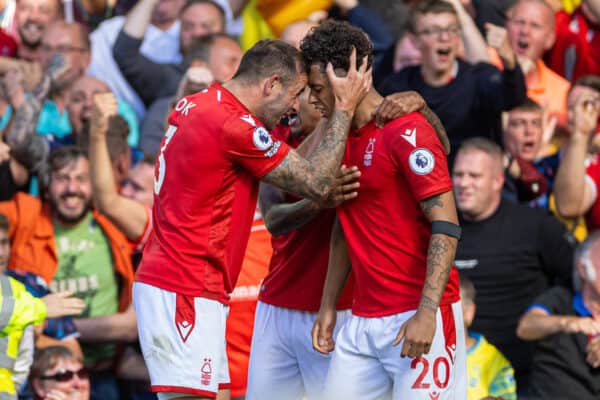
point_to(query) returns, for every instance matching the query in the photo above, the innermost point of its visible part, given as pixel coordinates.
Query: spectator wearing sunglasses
(57, 374)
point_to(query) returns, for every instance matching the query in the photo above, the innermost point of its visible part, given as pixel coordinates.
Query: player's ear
(270, 85)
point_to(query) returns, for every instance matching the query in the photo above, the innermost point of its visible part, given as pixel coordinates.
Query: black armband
(446, 228)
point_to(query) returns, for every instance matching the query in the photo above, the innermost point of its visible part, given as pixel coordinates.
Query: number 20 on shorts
(440, 372)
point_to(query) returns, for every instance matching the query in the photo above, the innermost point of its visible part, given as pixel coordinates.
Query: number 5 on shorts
(162, 164)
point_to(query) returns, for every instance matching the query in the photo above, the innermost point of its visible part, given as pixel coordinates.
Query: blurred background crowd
(516, 84)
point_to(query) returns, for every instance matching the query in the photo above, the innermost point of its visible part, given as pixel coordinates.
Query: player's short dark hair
(4, 224)
(332, 42)
(588, 81)
(528, 105)
(427, 7)
(116, 137)
(216, 5)
(200, 47)
(468, 289)
(58, 159)
(270, 57)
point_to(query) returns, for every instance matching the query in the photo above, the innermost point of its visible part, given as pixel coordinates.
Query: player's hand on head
(103, 109)
(396, 105)
(349, 90)
(322, 331)
(416, 334)
(345, 187)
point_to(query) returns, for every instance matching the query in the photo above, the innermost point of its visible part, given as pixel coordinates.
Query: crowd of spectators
(516, 84)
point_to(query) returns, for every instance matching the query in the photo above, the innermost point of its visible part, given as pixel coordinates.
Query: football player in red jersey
(216, 149)
(400, 236)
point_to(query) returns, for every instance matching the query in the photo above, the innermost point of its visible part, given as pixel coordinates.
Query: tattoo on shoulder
(428, 204)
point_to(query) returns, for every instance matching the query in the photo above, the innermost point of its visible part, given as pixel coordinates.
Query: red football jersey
(299, 263)
(592, 171)
(576, 51)
(386, 230)
(205, 189)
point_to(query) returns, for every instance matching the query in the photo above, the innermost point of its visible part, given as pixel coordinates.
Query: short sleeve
(553, 301)
(249, 144)
(418, 155)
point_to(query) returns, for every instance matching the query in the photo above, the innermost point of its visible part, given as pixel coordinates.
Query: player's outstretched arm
(418, 330)
(337, 275)
(128, 215)
(314, 177)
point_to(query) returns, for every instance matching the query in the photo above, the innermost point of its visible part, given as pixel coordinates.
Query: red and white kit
(388, 237)
(210, 161)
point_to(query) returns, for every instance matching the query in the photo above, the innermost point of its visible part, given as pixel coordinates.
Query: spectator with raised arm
(578, 175)
(445, 81)
(150, 79)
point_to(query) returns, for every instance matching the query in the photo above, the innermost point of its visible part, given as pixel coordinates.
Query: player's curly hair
(332, 42)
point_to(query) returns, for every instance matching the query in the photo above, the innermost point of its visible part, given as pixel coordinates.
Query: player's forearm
(314, 177)
(338, 268)
(570, 177)
(43, 341)
(534, 326)
(286, 217)
(119, 327)
(440, 256)
(138, 18)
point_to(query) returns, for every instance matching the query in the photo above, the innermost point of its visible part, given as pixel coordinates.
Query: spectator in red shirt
(576, 51)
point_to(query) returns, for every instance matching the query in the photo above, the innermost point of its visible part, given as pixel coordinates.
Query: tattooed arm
(313, 178)
(442, 248)
(418, 331)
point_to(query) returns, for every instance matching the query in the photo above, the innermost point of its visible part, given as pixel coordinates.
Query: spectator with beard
(61, 238)
(33, 17)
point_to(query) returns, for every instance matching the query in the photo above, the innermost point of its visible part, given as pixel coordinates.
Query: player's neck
(366, 109)
(243, 93)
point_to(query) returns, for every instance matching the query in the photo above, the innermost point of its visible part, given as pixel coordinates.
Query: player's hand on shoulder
(322, 331)
(349, 90)
(345, 187)
(417, 333)
(396, 105)
(104, 107)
